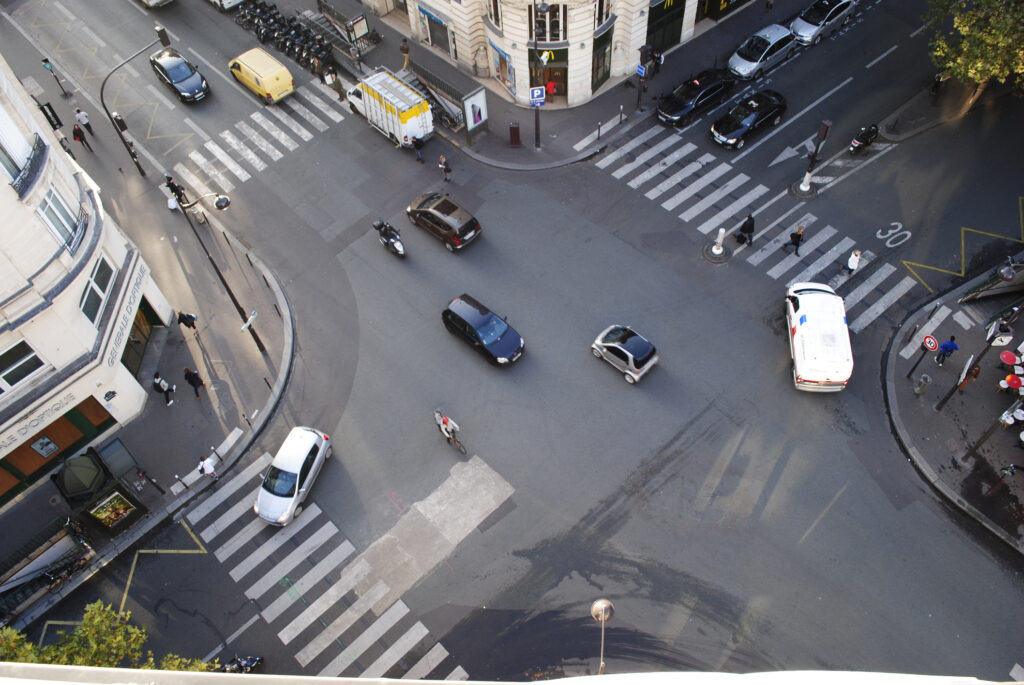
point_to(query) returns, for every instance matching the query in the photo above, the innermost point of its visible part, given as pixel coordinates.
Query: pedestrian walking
(160, 385)
(176, 190)
(971, 375)
(403, 48)
(795, 238)
(852, 263)
(945, 349)
(208, 467)
(193, 379)
(746, 234)
(78, 134)
(188, 321)
(445, 169)
(83, 119)
(332, 81)
(1009, 470)
(768, 5)
(417, 145)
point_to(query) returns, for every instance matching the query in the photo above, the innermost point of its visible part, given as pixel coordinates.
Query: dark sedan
(445, 219)
(180, 74)
(761, 109)
(485, 331)
(696, 95)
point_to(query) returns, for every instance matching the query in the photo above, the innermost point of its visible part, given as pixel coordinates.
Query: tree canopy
(104, 638)
(978, 41)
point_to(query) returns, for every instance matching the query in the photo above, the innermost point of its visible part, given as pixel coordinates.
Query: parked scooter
(245, 664)
(389, 237)
(864, 138)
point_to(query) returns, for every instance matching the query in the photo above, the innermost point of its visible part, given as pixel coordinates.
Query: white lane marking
(880, 57)
(875, 156)
(319, 642)
(689, 190)
(228, 488)
(772, 246)
(396, 651)
(353, 574)
(160, 96)
(714, 196)
(670, 140)
(240, 149)
(224, 521)
(632, 143)
(183, 173)
(736, 207)
(264, 551)
(869, 284)
(307, 114)
(271, 128)
(778, 129)
(679, 176)
(601, 130)
(836, 252)
(227, 160)
(458, 673)
(821, 516)
(231, 638)
(240, 539)
(887, 300)
(259, 141)
(211, 170)
(663, 164)
(303, 584)
(431, 660)
(298, 555)
(817, 238)
(966, 322)
(355, 649)
(195, 127)
(927, 329)
(67, 13)
(290, 123)
(331, 113)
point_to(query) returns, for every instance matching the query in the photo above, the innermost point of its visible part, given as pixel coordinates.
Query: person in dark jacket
(747, 230)
(795, 238)
(193, 379)
(417, 145)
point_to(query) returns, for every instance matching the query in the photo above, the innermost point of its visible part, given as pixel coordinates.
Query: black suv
(445, 219)
(698, 94)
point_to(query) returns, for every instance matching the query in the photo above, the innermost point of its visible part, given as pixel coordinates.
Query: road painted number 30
(894, 236)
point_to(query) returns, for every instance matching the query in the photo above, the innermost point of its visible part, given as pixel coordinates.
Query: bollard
(922, 383)
(513, 134)
(717, 247)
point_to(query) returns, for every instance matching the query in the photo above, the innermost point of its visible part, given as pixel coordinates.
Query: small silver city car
(291, 475)
(770, 46)
(821, 20)
(626, 350)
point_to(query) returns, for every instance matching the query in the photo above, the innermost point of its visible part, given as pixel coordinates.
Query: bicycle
(454, 439)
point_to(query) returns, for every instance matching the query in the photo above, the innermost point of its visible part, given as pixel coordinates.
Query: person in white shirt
(852, 263)
(83, 119)
(447, 427)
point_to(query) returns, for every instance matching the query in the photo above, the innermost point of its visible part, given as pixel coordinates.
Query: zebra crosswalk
(342, 610)
(248, 147)
(708, 193)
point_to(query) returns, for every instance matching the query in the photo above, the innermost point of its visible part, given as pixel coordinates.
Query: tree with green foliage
(978, 41)
(104, 638)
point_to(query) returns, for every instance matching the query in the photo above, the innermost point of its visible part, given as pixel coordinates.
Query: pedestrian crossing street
(251, 145)
(706, 193)
(343, 611)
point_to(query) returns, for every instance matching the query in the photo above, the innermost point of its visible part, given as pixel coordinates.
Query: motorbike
(389, 237)
(244, 664)
(864, 138)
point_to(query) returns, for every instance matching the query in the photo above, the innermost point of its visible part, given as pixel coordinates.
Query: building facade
(571, 48)
(77, 302)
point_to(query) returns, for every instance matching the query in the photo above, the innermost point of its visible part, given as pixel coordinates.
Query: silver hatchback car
(626, 350)
(768, 47)
(296, 465)
(821, 20)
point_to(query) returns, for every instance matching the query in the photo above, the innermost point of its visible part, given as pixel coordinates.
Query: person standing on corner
(747, 230)
(945, 349)
(795, 238)
(403, 48)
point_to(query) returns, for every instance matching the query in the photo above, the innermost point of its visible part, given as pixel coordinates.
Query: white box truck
(392, 107)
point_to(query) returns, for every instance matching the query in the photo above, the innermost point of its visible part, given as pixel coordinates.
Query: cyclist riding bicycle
(447, 427)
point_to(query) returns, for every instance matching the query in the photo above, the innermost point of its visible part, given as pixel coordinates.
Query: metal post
(959, 380)
(536, 127)
(924, 353)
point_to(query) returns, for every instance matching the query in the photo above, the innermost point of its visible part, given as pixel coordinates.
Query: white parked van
(819, 340)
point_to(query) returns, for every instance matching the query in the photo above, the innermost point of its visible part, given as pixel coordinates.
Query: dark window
(617, 353)
(96, 289)
(17, 364)
(495, 12)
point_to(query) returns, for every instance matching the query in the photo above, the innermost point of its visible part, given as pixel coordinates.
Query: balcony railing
(33, 165)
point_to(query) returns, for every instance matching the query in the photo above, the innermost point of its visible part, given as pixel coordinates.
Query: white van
(819, 340)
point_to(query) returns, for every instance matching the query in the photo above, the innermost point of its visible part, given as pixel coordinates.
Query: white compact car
(291, 475)
(626, 350)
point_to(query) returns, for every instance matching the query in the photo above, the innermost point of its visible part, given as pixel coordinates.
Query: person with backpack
(160, 385)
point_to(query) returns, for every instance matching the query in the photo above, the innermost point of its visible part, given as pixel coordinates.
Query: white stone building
(77, 302)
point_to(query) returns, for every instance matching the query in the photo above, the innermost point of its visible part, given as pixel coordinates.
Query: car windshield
(178, 70)
(753, 48)
(492, 329)
(816, 13)
(743, 113)
(280, 483)
(688, 91)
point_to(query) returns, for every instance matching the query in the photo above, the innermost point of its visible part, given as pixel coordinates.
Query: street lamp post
(542, 8)
(162, 38)
(601, 611)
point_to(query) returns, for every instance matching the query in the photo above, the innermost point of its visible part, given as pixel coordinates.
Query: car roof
(166, 54)
(773, 32)
(470, 309)
(295, 447)
(766, 96)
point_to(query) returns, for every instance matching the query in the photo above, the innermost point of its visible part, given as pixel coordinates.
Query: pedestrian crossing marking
(229, 163)
(675, 178)
(183, 173)
(235, 543)
(613, 156)
(694, 186)
(773, 245)
(356, 648)
(392, 654)
(271, 128)
(290, 123)
(870, 283)
(353, 574)
(338, 626)
(829, 258)
(458, 674)
(883, 303)
(242, 150)
(263, 552)
(670, 140)
(808, 244)
(223, 521)
(211, 170)
(427, 663)
(714, 196)
(227, 489)
(301, 553)
(658, 168)
(840, 279)
(259, 141)
(304, 584)
(328, 111)
(306, 114)
(929, 328)
(738, 207)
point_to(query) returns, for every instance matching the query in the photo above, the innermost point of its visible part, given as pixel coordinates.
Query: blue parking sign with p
(537, 96)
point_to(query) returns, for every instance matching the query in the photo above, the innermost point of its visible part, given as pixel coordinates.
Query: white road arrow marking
(790, 152)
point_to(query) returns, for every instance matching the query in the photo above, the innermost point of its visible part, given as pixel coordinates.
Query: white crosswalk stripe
(459, 673)
(304, 112)
(829, 258)
(675, 178)
(352, 575)
(248, 565)
(304, 584)
(242, 150)
(736, 209)
(259, 141)
(883, 303)
(711, 198)
(705, 180)
(236, 542)
(428, 663)
(290, 123)
(660, 167)
(328, 111)
(211, 170)
(772, 246)
(296, 557)
(870, 283)
(271, 128)
(640, 139)
(183, 173)
(339, 625)
(228, 487)
(670, 139)
(817, 238)
(390, 657)
(225, 159)
(356, 648)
